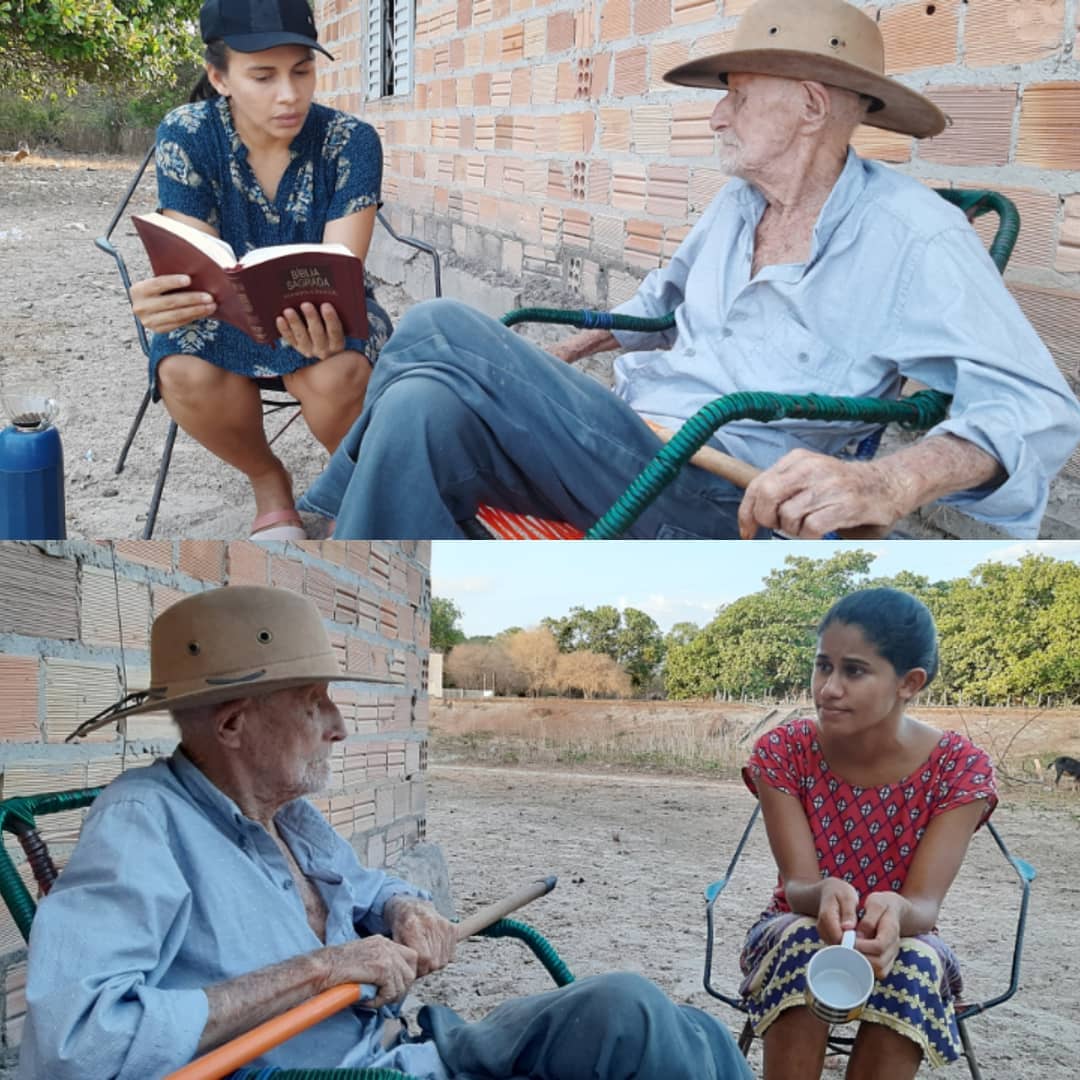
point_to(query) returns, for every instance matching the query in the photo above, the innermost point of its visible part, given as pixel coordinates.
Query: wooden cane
(244, 1048)
(741, 473)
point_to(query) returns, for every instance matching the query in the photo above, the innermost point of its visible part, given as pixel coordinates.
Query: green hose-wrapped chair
(18, 816)
(920, 412)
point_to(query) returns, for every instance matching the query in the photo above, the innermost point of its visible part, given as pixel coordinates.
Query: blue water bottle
(31, 468)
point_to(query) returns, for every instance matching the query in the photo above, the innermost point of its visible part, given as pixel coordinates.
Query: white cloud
(668, 610)
(1066, 550)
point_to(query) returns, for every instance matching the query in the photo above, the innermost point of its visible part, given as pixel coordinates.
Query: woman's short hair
(898, 625)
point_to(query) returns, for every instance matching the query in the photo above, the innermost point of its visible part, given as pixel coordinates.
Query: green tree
(763, 644)
(682, 633)
(640, 647)
(107, 42)
(631, 638)
(1010, 632)
(445, 632)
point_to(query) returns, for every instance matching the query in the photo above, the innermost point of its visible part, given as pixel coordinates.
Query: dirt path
(633, 854)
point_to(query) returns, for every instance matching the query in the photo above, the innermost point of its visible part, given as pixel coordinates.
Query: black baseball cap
(254, 25)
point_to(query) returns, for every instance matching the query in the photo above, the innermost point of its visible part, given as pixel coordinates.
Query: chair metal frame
(17, 816)
(1024, 871)
(269, 387)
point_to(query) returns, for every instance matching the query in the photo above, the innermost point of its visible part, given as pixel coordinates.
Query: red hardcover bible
(251, 292)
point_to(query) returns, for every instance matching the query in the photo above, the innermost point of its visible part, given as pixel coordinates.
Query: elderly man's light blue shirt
(897, 285)
(171, 889)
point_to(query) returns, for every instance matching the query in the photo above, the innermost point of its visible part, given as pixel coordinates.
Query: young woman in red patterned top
(869, 813)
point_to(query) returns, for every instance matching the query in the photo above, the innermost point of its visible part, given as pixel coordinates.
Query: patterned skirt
(915, 999)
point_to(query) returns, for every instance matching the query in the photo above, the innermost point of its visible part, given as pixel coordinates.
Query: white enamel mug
(838, 981)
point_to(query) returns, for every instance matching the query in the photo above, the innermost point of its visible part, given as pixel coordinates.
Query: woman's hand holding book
(160, 308)
(312, 331)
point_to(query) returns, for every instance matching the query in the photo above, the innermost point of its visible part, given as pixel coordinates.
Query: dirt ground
(634, 852)
(65, 322)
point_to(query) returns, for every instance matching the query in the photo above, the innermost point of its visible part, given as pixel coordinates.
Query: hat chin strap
(128, 701)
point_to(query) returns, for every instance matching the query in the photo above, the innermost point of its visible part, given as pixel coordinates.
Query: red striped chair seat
(504, 525)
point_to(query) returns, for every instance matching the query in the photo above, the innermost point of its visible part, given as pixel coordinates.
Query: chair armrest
(920, 411)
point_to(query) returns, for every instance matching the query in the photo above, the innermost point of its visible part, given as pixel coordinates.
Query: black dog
(1067, 765)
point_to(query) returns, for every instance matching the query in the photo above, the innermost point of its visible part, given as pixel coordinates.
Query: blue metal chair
(1025, 874)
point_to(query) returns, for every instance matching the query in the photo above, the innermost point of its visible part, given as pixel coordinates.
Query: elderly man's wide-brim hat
(234, 642)
(826, 41)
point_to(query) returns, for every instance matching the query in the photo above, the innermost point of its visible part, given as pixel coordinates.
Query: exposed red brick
(560, 31)
(668, 191)
(1013, 31)
(247, 563)
(981, 128)
(1049, 121)
(615, 129)
(920, 35)
(650, 129)
(19, 699)
(37, 593)
(203, 559)
(163, 598)
(882, 145)
(690, 132)
(628, 186)
(651, 15)
(691, 11)
(157, 553)
(663, 57)
(630, 71)
(615, 20)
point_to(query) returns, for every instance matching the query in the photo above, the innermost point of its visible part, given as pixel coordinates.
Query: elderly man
(206, 895)
(814, 270)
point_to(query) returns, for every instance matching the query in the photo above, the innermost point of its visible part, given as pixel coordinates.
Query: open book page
(212, 246)
(265, 254)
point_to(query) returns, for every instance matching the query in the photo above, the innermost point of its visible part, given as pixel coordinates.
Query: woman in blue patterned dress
(869, 812)
(259, 163)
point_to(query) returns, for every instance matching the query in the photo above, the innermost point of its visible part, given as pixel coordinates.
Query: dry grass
(708, 737)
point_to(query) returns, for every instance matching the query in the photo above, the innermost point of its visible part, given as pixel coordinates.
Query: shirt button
(691, 352)
(803, 357)
(287, 883)
(726, 332)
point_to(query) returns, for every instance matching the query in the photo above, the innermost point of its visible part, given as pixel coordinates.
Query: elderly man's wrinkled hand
(418, 925)
(376, 961)
(805, 495)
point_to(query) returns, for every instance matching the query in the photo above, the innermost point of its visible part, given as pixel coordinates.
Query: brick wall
(540, 141)
(61, 662)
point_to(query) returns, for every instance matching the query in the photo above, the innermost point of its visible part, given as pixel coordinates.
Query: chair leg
(969, 1052)
(119, 468)
(746, 1037)
(159, 485)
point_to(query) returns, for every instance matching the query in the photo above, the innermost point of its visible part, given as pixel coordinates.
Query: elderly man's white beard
(729, 155)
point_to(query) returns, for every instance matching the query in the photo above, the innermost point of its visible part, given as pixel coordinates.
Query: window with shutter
(389, 47)
(374, 49)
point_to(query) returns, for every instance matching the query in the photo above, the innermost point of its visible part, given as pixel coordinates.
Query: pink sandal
(278, 525)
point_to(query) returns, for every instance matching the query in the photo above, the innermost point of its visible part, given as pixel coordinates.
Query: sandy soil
(634, 852)
(65, 321)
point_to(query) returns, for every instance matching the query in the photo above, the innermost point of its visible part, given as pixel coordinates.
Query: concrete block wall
(61, 661)
(540, 145)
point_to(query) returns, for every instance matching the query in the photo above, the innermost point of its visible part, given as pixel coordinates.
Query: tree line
(1008, 634)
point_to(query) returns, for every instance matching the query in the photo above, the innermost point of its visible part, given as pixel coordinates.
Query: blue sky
(517, 583)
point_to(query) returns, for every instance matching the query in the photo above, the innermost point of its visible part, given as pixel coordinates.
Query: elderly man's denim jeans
(461, 410)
